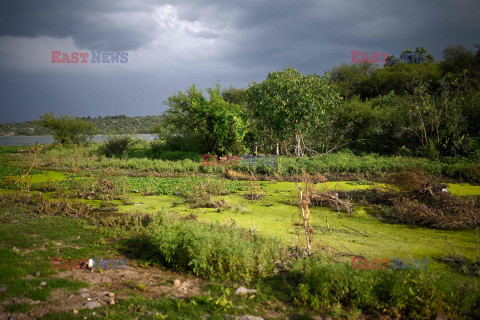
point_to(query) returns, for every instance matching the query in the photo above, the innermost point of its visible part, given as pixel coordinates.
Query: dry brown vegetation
(420, 199)
(332, 200)
(37, 204)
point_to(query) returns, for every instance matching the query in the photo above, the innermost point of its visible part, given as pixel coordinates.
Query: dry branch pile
(331, 199)
(421, 200)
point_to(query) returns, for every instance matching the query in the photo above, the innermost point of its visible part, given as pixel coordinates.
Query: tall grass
(225, 252)
(405, 294)
(211, 250)
(342, 162)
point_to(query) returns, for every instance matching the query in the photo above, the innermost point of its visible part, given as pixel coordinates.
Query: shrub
(405, 294)
(211, 250)
(116, 147)
(68, 130)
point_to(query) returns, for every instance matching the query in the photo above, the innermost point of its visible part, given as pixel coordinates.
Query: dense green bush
(116, 147)
(406, 294)
(68, 130)
(174, 148)
(212, 250)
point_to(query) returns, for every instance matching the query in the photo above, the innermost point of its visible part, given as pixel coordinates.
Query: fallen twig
(366, 235)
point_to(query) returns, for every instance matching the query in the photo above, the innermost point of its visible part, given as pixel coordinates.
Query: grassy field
(215, 231)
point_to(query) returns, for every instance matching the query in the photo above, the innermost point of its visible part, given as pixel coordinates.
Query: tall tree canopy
(289, 103)
(215, 123)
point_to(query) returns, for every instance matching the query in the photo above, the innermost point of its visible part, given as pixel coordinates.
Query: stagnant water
(362, 233)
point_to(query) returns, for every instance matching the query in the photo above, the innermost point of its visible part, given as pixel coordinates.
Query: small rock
(440, 316)
(243, 290)
(43, 283)
(37, 274)
(75, 311)
(84, 290)
(85, 295)
(92, 305)
(247, 317)
(71, 297)
(16, 249)
(111, 294)
(111, 302)
(176, 283)
(103, 293)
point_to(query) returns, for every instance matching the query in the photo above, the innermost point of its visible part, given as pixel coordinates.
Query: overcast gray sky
(174, 44)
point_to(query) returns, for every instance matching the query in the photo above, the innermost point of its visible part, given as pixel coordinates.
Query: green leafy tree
(288, 103)
(457, 58)
(219, 126)
(348, 77)
(420, 55)
(399, 78)
(436, 120)
(68, 130)
(235, 95)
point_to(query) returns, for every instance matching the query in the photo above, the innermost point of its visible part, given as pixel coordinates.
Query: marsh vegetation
(363, 172)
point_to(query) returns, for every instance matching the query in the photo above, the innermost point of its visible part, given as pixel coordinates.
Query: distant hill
(106, 125)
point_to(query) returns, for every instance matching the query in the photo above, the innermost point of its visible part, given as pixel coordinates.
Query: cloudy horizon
(174, 44)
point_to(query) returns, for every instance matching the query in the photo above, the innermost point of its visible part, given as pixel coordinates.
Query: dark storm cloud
(173, 44)
(87, 22)
(328, 31)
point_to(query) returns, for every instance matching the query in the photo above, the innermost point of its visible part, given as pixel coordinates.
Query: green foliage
(179, 155)
(181, 186)
(218, 125)
(437, 122)
(235, 95)
(409, 294)
(68, 130)
(212, 250)
(420, 55)
(116, 147)
(288, 103)
(457, 59)
(349, 77)
(12, 149)
(398, 78)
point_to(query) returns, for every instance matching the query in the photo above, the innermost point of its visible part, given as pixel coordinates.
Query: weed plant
(405, 294)
(211, 250)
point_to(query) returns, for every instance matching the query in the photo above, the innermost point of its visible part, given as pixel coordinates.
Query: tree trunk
(298, 146)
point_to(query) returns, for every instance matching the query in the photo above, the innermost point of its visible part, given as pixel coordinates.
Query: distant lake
(32, 140)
